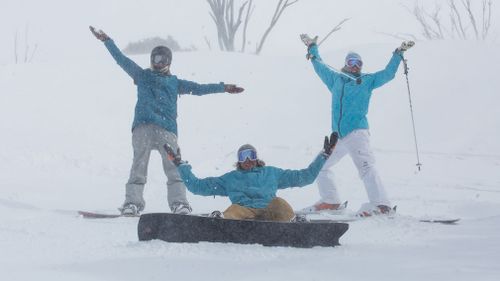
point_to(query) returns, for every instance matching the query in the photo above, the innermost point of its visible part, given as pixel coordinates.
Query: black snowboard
(190, 228)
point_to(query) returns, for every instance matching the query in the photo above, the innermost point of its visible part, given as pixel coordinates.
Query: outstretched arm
(299, 178)
(206, 187)
(132, 69)
(189, 87)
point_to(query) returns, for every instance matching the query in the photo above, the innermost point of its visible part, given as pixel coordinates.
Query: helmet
(161, 57)
(247, 151)
(353, 59)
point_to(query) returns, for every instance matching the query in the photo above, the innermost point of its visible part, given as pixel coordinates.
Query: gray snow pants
(146, 138)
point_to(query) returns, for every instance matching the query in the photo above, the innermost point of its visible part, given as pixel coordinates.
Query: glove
(174, 157)
(99, 34)
(308, 41)
(233, 89)
(405, 46)
(329, 144)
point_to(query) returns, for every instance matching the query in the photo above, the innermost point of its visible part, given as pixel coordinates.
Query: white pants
(357, 145)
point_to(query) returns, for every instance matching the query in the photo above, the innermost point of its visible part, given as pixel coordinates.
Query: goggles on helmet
(247, 154)
(354, 62)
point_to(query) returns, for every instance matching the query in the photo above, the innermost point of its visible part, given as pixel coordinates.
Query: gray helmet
(161, 57)
(245, 148)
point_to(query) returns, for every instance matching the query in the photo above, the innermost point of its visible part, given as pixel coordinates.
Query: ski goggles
(354, 62)
(159, 60)
(247, 154)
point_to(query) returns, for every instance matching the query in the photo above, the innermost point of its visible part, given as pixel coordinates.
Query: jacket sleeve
(383, 76)
(132, 69)
(300, 178)
(206, 187)
(189, 87)
(327, 75)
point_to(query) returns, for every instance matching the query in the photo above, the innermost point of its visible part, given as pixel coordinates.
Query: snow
(66, 146)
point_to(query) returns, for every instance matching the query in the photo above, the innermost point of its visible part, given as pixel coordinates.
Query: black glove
(99, 34)
(173, 156)
(329, 144)
(232, 89)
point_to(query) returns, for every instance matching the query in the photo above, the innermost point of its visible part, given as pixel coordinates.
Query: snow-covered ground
(65, 145)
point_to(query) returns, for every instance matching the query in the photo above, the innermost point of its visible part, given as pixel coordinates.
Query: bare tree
(486, 19)
(456, 20)
(335, 29)
(208, 43)
(282, 5)
(227, 24)
(29, 52)
(462, 19)
(250, 10)
(15, 47)
(222, 13)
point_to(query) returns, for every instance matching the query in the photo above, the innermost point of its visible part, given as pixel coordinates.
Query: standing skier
(351, 92)
(155, 122)
(252, 186)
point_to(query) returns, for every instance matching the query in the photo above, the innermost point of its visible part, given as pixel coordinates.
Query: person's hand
(99, 34)
(232, 89)
(308, 41)
(175, 157)
(405, 46)
(329, 144)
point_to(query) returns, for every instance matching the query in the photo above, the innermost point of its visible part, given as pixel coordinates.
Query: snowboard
(193, 229)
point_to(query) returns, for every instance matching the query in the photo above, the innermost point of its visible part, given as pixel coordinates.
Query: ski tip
(442, 221)
(94, 215)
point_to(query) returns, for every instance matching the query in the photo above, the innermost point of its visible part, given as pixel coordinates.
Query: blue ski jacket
(254, 188)
(350, 100)
(157, 93)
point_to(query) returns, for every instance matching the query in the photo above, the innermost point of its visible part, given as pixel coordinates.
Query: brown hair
(260, 163)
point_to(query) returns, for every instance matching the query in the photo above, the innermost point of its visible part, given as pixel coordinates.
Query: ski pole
(405, 64)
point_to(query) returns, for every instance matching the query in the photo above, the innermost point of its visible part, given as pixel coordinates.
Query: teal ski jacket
(254, 188)
(157, 93)
(350, 100)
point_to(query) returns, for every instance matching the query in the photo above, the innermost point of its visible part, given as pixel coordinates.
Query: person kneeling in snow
(252, 186)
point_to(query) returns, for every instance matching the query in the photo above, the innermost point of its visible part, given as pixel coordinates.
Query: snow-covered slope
(66, 145)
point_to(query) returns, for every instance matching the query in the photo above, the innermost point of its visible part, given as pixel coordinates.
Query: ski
(323, 216)
(443, 221)
(96, 215)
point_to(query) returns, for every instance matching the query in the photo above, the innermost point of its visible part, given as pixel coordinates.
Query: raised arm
(387, 74)
(189, 87)
(132, 69)
(299, 178)
(327, 75)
